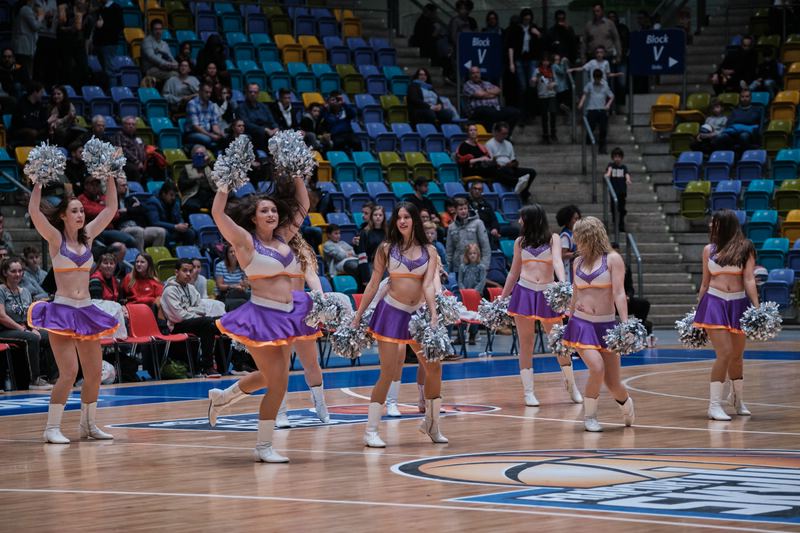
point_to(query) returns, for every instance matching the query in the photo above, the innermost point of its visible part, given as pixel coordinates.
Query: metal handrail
(593, 142)
(631, 247)
(24, 188)
(611, 192)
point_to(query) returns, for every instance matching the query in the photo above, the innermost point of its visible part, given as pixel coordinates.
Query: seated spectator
(157, 60)
(432, 234)
(449, 213)
(283, 112)
(103, 285)
(259, 123)
(369, 239)
(742, 130)
(182, 307)
(142, 286)
(164, 211)
(768, 74)
(13, 78)
(492, 23)
(14, 303)
(598, 99)
(5, 236)
(178, 90)
(342, 258)
(61, 118)
(338, 118)
(509, 173)
(231, 282)
(712, 127)
(420, 196)
(74, 170)
(480, 206)
(214, 52)
(33, 275)
(474, 159)
(199, 280)
(119, 251)
(202, 124)
(94, 201)
(466, 229)
(318, 135)
(133, 149)
(484, 103)
(98, 130)
(739, 67)
(424, 104)
(133, 218)
(227, 109)
(185, 54)
(29, 122)
(196, 186)
(211, 77)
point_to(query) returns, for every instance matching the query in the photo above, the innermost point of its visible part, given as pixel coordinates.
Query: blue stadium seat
(686, 169)
(454, 135)
(355, 195)
(266, 49)
(778, 287)
(207, 232)
(343, 167)
(758, 195)
(304, 80)
(303, 21)
(338, 53)
(785, 165)
(128, 73)
(127, 104)
(345, 284)
(278, 77)
(446, 168)
(99, 103)
(402, 189)
(454, 189)
(241, 46)
(375, 81)
(154, 103)
(383, 140)
(793, 259)
(252, 74)
(327, 80)
(433, 139)
(326, 22)
(761, 226)
(726, 195)
(761, 98)
(398, 80)
(410, 141)
(362, 53)
(751, 166)
(369, 108)
(385, 54)
(381, 195)
(773, 253)
(168, 135)
(741, 216)
(245, 190)
(75, 99)
(718, 167)
(368, 167)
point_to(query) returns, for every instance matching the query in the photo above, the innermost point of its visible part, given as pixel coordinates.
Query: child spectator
(545, 82)
(563, 94)
(231, 281)
(620, 179)
(714, 125)
(472, 275)
(566, 217)
(141, 285)
(431, 234)
(598, 63)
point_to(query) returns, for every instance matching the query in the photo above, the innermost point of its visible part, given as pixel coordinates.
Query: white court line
(387, 504)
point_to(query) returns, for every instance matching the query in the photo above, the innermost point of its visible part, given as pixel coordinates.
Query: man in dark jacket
(106, 36)
(562, 39)
(338, 116)
(29, 122)
(283, 112)
(164, 211)
(258, 120)
(318, 136)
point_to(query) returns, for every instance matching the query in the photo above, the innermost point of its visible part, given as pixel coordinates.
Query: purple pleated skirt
(263, 322)
(528, 301)
(390, 320)
(721, 310)
(77, 319)
(586, 332)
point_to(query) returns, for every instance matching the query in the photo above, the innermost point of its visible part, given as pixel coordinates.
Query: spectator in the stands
(430, 36)
(45, 62)
(768, 73)
(133, 149)
(420, 196)
(372, 234)
(157, 60)
(27, 21)
(227, 109)
(466, 229)
(33, 275)
(474, 159)
(480, 206)
(566, 217)
(98, 129)
(94, 201)
(214, 52)
(341, 256)
(75, 169)
(5, 235)
(61, 117)
(102, 283)
(141, 285)
(181, 305)
(472, 275)
(738, 69)
(133, 218)
(123, 267)
(338, 117)
(232, 284)
(202, 124)
(283, 112)
(483, 101)
(509, 172)
(524, 48)
(164, 211)
(713, 126)
(424, 104)
(212, 77)
(13, 78)
(562, 39)
(432, 233)
(185, 54)
(600, 31)
(198, 280)
(742, 130)
(598, 99)
(313, 123)
(29, 121)
(598, 62)
(195, 183)
(258, 120)
(76, 21)
(179, 89)
(461, 21)
(492, 23)
(106, 35)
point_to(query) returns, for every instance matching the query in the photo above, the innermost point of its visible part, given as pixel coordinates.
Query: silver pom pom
(761, 323)
(350, 342)
(558, 296)
(45, 164)
(325, 310)
(690, 336)
(231, 168)
(435, 343)
(103, 159)
(449, 309)
(291, 155)
(239, 347)
(494, 314)
(554, 342)
(626, 337)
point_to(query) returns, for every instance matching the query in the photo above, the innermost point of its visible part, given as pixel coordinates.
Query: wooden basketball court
(506, 468)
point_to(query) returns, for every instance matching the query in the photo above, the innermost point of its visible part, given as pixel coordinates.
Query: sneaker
(40, 384)
(522, 183)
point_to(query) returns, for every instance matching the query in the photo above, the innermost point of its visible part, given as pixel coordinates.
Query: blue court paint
(357, 376)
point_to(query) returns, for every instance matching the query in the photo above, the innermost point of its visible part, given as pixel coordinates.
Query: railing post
(594, 173)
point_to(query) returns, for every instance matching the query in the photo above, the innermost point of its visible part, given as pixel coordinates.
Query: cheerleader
(537, 255)
(598, 284)
(408, 259)
(728, 288)
(74, 323)
(273, 319)
(306, 350)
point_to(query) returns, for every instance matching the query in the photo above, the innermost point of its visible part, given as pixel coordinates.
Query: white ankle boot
(392, 408)
(569, 384)
(526, 375)
(264, 452)
(318, 397)
(52, 431)
(628, 414)
(590, 422)
(88, 428)
(715, 410)
(219, 400)
(430, 425)
(738, 398)
(421, 400)
(282, 419)
(371, 437)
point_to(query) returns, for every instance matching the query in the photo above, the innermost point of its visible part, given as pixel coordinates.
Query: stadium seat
(128, 73)
(784, 106)
(433, 138)
(343, 167)
(662, 113)
(303, 79)
(327, 80)
(791, 79)
(726, 195)
(99, 103)
(401, 189)
(351, 25)
(176, 160)
(454, 189)
(368, 167)
(362, 53)
(778, 287)
(291, 51)
(718, 167)
(696, 106)
(454, 135)
(312, 98)
(395, 110)
(785, 165)
(446, 168)
(682, 138)
(787, 197)
(758, 195)
(385, 53)
(686, 169)
(381, 195)
(777, 136)
(352, 81)
(751, 166)
(773, 253)
(164, 261)
(760, 98)
(355, 196)
(381, 138)
(398, 80)
(279, 22)
(338, 53)
(793, 259)
(507, 246)
(345, 284)
(694, 199)
(420, 167)
(265, 48)
(728, 100)
(154, 103)
(369, 108)
(168, 135)
(375, 82)
(207, 232)
(127, 104)
(410, 141)
(761, 226)
(791, 226)
(313, 51)
(396, 169)
(302, 20)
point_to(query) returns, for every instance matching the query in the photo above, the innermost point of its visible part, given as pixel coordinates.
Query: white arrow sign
(468, 64)
(672, 62)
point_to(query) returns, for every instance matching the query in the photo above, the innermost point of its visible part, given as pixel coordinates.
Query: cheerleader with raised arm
(408, 258)
(537, 257)
(598, 284)
(728, 288)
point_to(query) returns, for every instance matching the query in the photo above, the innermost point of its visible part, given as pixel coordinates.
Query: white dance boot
(52, 431)
(88, 428)
(421, 400)
(391, 400)
(282, 419)
(628, 414)
(738, 398)
(318, 397)
(590, 422)
(371, 437)
(219, 400)
(264, 452)
(430, 425)
(569, 384)
(715, 410)
(526, 375)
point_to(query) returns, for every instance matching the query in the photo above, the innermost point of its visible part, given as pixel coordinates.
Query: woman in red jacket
(142, 286)
(102, 283)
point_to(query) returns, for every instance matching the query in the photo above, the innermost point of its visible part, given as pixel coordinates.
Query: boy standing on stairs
(620, 179)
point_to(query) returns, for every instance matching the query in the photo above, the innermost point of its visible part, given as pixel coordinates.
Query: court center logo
(725, 484)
